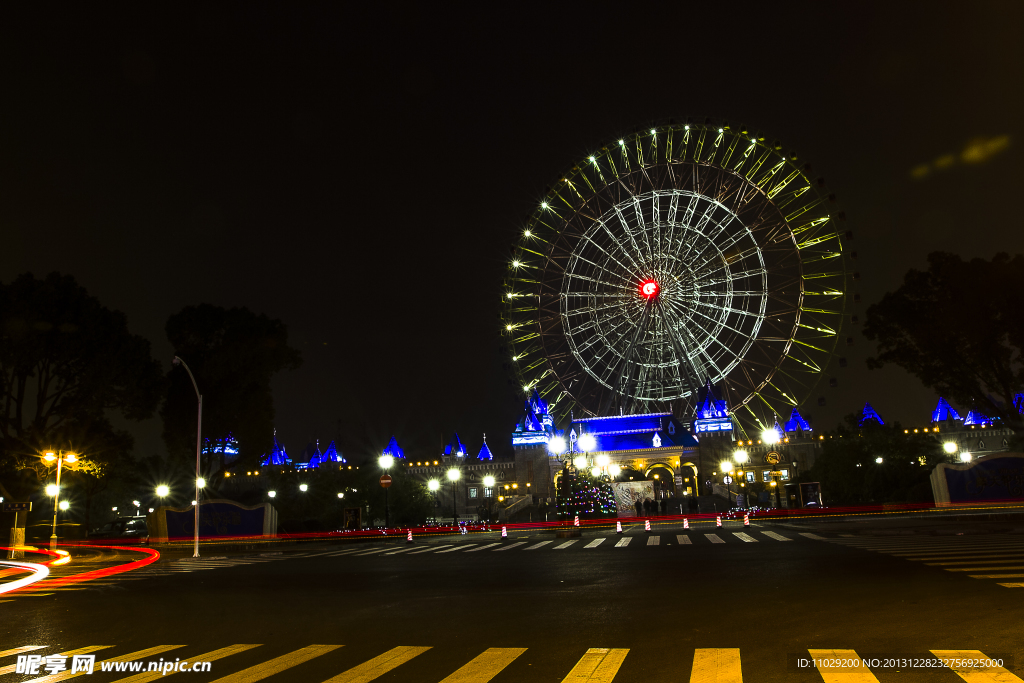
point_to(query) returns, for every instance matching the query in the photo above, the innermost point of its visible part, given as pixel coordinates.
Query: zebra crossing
(248, 663)
(996, 557)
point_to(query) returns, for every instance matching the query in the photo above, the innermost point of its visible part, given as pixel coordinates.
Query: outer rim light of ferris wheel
(649, 288)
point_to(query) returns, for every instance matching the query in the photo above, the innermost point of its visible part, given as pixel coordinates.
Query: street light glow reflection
(488, 481)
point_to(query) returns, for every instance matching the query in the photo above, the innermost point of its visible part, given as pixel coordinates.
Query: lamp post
(60, 457)
(489, 486)
(742, 457)
(385, 462)
(199, 441)
(453, 476)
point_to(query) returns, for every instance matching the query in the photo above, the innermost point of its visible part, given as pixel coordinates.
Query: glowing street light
(272, 494)
(770, 436)
(949, 447)
(579, 462)
(433, 484)
(725, 466)
(965, 457)
(587, 443)
(556, 445)
(303, 487)
(488, 481)
(52, 489)
(386, 462)
(878, 460)
(162, 490)
(741, 456)
(200, 483)
(341, 495)
(64, 505)
(614, 470)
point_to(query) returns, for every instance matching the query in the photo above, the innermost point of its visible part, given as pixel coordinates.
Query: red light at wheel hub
(649, 288)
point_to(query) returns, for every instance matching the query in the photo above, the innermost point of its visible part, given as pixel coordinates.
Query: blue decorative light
(710, 403)
(455, 447)
(1018, 402)
(332, 455)
(976, 418)
(277, 456)
(796, 422)
(869, 414)
(635, 432)
(485, 452)
(943, 411)
(393, 449)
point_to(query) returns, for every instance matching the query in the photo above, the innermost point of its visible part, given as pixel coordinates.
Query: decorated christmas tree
(580, 493)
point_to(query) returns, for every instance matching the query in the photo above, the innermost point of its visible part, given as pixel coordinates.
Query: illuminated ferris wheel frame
(674, 256)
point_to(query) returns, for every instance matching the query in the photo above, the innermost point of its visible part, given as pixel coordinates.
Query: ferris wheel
(678, 255)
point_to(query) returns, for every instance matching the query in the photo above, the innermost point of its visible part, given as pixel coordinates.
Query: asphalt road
(763, 601)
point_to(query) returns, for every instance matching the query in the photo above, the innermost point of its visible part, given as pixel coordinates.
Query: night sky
(362, 174)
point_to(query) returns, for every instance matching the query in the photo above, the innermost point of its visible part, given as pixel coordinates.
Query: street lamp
(162, 490)
(54, 489)
(199, 441)
(965, 457)
(386, 461)
(136, 504)
(271, 494)
(64, 505)
(303, 487)
(770, 436)
(453, 476)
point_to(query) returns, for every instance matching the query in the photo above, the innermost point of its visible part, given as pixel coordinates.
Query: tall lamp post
(385, 462)
(199, 442)
(742, 457)
(453, 476)
(54, 489)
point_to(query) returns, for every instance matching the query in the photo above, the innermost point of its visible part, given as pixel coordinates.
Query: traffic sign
(385, 480)
(728, 479)
(18, 507)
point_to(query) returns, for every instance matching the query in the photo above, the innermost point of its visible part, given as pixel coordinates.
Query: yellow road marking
(486, 665)
(972, 561)
(599, 664)
(378, 666)
(842, 674)
(1012, 585)
(716, 665)
(983, 569)
(69, 653)
(131, 656)
(208, 657)
(996, 576)
(24, 648)
(277, 664)
(996, 674)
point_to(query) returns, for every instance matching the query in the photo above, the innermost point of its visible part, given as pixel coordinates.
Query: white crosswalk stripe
(775, 536)
(563, 546)
(596, 542)
(483, 547)
(683, 539)
(654, 540)
(746, 538)
(623, 542)
(538, 545)
(509, 547)
(713, 538)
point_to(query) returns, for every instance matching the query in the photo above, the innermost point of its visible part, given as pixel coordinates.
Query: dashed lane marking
(844, 675)
(716, 665)
(483, 547)
(130, 657)
(996, 674)
(598, 665)
(23, 648)
(713, 538)
(68, 653)
(378, 666)
(208, 657)
(427, 550)
(277, 664)
(996, 576)
(486, 665)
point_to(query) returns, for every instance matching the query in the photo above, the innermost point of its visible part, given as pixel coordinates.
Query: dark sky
(361, 174)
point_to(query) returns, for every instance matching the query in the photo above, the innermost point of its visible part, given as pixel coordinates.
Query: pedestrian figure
(647, 506)
(639, 508)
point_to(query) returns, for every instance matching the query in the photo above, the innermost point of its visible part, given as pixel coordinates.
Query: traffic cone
(618, 527)
(576, 522)
(408, 539)
(718, 520)
(647, 525)
(746, 520)
(504, 534)
(686, 523)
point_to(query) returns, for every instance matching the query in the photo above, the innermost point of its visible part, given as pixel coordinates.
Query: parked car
(123, 528)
